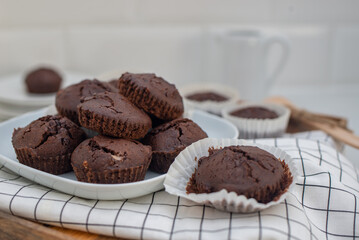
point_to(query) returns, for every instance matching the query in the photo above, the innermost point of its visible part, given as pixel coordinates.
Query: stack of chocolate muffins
(137, 117)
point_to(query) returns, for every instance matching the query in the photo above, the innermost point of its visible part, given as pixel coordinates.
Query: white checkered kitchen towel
(323, 205)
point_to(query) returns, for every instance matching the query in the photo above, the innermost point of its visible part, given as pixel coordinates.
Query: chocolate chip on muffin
(43, 80)
(169, 139)
(108, 160)
(207, 96)
(47, 143)
(152, 94)
(67, 99)
(245, 170)
(255, 112)
(113, 115)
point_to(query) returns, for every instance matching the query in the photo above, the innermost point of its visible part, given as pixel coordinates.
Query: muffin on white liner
(259, 128)
(186, 162)
(209, 106)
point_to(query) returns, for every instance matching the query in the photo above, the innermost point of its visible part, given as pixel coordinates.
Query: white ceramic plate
(10, 111)
(214, 126)
(13, 90)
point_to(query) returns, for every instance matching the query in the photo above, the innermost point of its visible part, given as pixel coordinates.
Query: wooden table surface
(13, 228)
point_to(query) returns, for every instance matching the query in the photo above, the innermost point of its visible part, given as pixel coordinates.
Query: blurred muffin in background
(43, 80)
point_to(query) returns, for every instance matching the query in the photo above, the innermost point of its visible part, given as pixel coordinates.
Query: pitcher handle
(267, 44)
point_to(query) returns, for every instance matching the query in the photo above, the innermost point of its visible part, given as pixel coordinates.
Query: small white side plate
(214, 126)
(13, 90)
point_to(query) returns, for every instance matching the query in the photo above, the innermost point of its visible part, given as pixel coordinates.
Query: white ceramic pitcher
(245, 57)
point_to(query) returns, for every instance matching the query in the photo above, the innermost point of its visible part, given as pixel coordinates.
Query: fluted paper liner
(186, 162)
(111, 126)
(55, 165)
(259, 128)
(125, 175)
(144, 99)
(209, 106)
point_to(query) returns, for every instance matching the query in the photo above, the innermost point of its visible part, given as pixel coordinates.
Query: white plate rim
(41, 100)
(17, 167)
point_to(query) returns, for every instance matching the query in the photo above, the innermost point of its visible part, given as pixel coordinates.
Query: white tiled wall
(318, 11)
(23, 48)
(173, 38)
(204, 11)
(174, 53)
(310, 56)
(25, 13)
(345, 54)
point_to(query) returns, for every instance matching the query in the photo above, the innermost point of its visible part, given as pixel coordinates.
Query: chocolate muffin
(108, 160)
(113, 115)
(207, 96)
(47, 143)
(43, 80)
(152, 94)
(67, 99)
(245, 170)
(255, 112)
(169, 139)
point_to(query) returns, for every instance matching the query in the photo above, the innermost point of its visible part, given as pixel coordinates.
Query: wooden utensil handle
(333, 126)
(336, 132)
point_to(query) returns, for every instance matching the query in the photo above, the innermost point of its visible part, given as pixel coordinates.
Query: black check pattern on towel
(322, 205)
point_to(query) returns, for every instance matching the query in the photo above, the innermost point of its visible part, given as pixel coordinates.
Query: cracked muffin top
(174, 135)
(153, 94)
(68, 98)
(105, 153)
(112, 114)
(255, 112)
(49, 136)
(246, 170)
(113, 105)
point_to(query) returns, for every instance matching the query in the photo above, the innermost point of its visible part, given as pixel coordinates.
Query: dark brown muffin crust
(43, 80)
(67, 99)
(113, 115)
(207, 96)
(169, 139)
(47, 143)
(255, 112)
(152, 94)
(246, 170)
(108, 160)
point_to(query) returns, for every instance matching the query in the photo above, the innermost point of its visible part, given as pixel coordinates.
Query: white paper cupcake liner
(185, 164)
(259, 128)
(209, 106)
